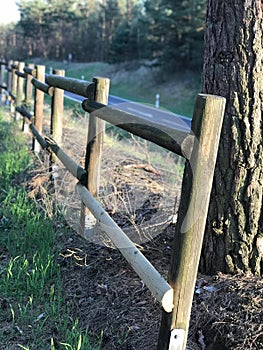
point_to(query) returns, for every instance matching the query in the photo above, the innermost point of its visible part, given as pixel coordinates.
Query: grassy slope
(140, 82)
(33, 314)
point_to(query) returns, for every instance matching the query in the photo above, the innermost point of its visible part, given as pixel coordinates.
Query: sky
(9, 11)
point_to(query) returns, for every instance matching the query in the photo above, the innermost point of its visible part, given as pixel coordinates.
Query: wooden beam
(158, 286)
(179, 142)
(190, 226)
(30, 69)
(40, 85)
(20, 74)
(80, 87)
(75, 169)
(24, 112)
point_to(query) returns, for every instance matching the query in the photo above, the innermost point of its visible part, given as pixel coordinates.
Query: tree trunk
(233, 69)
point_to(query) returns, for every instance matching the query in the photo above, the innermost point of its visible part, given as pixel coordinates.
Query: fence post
(20, 87)
(96, 131)
(39, 105)
(2, 81)
(28, 94)
(13, 85)
(9, 76)
(190, 226)
(57, 109)
(14, 77)
(29, 88)
(56, 126)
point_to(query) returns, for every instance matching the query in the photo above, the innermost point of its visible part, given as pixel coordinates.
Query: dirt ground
(106, 295)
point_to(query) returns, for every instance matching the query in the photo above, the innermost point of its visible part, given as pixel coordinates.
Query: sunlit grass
(137, 83)
(31, 288)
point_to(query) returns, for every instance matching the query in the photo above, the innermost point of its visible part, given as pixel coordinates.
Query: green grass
(33, 314)
(139, 83)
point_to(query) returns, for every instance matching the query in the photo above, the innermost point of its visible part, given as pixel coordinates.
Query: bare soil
(109, 297)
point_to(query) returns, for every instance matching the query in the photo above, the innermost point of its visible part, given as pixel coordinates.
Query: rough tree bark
(233, 68)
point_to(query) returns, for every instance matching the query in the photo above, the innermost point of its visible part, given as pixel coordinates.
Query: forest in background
(170, 33)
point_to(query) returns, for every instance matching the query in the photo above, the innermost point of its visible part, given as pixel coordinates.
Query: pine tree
(233, 69)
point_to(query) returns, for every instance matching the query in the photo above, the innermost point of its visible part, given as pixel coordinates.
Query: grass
(33, 313)
(140, 83)
(146, 152)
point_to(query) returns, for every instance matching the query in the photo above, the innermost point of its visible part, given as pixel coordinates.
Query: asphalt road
(147, 112)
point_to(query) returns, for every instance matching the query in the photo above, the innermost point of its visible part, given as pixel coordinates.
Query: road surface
(147, 112)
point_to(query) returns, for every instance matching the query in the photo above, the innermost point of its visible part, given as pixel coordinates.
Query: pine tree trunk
(233, 69)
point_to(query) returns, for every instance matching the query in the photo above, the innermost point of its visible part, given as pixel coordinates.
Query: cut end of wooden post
(211, 96)
(168, 300)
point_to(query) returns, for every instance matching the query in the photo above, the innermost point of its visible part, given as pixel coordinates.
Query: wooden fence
(199, 148)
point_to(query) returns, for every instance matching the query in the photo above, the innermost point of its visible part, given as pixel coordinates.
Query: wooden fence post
(56, 126)
(14, 78)
(28, 94)
(9, 76)
(96, 131)
(13, 85)
(20, 87)
(190, 226)
(29, 88)
(39, 105)
(2, 80)
(57, 110)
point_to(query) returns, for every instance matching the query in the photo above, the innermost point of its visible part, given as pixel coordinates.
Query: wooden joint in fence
(43, 87)
(28, 117)
(20, 74)
(24, 112)
(76, 170)
(13, 97)
(31, 71)
(37, 135)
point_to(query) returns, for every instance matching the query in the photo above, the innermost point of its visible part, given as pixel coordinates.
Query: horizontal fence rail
(79, 87)
(173, 140)
(198, 147)
(149, 275)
